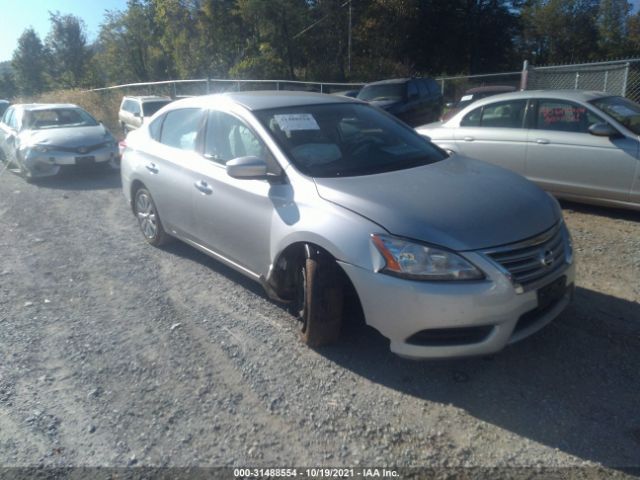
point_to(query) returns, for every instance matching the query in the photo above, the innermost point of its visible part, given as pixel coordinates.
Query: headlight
(422, 262)
(40, 148)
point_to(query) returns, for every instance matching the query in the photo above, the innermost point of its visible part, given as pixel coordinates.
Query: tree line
(320, 40)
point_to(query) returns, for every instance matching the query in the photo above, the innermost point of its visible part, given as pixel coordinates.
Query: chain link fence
(188, 88)
(616, 77)
(619, 77)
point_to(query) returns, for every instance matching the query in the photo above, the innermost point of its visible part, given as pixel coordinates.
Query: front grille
(81, 150)
(528, 263)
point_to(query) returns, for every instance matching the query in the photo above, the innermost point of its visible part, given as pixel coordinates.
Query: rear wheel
(319, 301)
(148, 218)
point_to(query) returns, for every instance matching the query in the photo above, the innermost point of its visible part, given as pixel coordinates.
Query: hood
(70, 137)
(385, 104)
(458, 203)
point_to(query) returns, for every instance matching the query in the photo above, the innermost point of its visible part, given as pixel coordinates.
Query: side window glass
(412, 90)
(128, 106)
(155, 127)
(135, 108)
(422, 88)
(228, 137)
(180, 128)
(504, 114)
(562, 116)
(434, 88)
(6, 119)
(13, 120)
(472, 119)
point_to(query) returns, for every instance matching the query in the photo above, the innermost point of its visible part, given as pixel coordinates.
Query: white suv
(134, 111)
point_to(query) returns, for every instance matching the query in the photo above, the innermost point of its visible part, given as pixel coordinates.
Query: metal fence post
(606, 80)
(626, 79)
(442, 87)
(524, 76)
(575, 87)
(208, 85)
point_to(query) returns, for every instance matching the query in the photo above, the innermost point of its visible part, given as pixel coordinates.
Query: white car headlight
(40, 148)
(422, 262)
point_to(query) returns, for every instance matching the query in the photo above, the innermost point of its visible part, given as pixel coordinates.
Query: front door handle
(542, 141)
(468, 139)
(203, 187)
(152, 167)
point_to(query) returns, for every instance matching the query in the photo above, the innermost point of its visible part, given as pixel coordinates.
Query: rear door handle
(152, 167)
(203, 187)
(468, 139)
(542, 141)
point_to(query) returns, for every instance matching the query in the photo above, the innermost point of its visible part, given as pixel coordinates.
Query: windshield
(386, 91)
(149, 108)
(57, 118)
(346, 139)
(623, 110)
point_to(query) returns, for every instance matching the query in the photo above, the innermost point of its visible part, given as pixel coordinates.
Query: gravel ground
(113, 353)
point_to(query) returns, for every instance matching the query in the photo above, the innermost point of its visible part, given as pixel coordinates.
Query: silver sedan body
(578, 145)
(448, 256)
(41, 138)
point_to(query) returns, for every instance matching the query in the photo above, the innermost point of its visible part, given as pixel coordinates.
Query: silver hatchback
(313, 195)
(577, 145)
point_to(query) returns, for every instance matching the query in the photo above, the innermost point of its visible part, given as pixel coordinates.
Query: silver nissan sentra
(314, 195)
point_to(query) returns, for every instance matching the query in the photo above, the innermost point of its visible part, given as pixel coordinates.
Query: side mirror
(449, 105)
(603, 130)
(247, 168)
(137, 114)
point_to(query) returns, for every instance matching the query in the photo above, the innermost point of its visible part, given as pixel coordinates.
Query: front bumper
(43, 164)
(400, 308)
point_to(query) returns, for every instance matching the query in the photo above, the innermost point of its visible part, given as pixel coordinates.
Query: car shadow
(573, 386)
(611, 212)
(82, 179)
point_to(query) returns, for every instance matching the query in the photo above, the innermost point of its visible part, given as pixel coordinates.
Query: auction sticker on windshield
(296, 121)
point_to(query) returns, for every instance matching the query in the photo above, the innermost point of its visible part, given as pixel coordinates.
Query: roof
(576, 95)
(262, 100)
(389, 81)
(143, 98)
(491, 88)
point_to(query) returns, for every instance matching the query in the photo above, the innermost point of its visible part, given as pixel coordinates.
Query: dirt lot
(113, 353)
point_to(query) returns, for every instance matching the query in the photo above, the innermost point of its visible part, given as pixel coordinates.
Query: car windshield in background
(379, 93)
(346, 140)
(624, 111)
(149, 108)
(58, 118)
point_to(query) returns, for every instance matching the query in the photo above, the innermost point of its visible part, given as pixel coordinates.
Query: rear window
(149, 108)
(383, 92)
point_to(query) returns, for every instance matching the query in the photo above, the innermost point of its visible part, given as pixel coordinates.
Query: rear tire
(319, 301)
(148, 218)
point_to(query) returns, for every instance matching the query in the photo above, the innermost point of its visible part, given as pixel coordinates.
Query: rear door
(563, 157)
(496, 133)
(168, 168)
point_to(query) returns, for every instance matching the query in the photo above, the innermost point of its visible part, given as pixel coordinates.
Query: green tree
(29, 62)
(612, 27)
(560, 31)
(8, 88)
(67, 45)
(128, 48)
